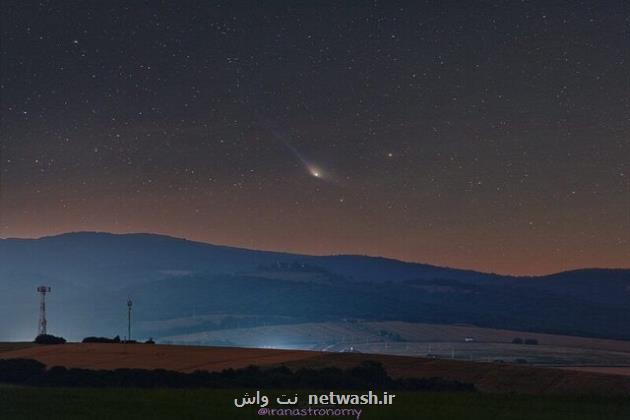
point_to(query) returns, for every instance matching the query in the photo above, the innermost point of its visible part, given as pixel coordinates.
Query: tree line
(367, 375)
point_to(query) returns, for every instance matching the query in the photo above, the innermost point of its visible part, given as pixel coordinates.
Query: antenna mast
(129, 304)
(43, 290)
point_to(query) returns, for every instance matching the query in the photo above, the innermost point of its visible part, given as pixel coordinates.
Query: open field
(7, 346)
(487, 377)
(56, 403)
(540, 355)
(344, 333)
(460, 342)
(146, 356)
(417, 332)
(609, 370)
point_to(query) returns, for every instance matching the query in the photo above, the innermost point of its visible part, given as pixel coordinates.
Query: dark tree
(49, 339)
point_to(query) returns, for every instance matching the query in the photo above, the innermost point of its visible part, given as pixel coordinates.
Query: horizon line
(311, 255)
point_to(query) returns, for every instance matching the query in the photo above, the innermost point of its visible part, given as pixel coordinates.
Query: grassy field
(54, 403)
(309, 334)
(417, 339)
(11, 346)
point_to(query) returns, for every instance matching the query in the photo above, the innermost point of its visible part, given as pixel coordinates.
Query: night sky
(484, 135)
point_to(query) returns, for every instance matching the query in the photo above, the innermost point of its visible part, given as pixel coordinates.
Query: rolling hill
(194, 287)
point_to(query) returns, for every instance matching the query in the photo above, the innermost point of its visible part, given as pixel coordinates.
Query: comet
(312, 169)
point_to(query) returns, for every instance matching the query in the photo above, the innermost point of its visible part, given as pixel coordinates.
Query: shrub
(20, 370)
(101, 340)
(49, 339)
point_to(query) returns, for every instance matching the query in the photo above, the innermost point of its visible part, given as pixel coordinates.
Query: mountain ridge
(93, 274)
(149, 235)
